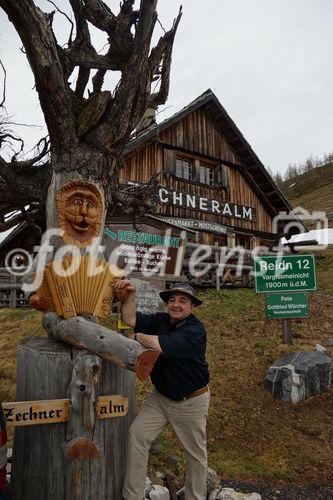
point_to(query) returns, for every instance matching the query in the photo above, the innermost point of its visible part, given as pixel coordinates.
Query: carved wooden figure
(80, 207)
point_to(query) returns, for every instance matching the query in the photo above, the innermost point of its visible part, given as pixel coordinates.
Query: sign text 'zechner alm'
(208, 205)
(21, 413)
(285, 273)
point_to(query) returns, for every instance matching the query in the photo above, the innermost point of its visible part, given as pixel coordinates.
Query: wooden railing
(11, 294)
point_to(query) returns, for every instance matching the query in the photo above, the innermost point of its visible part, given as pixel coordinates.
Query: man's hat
(181, 287)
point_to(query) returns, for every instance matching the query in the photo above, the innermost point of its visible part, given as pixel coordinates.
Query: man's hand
(123, 288)
(125, 292)
(150, 341)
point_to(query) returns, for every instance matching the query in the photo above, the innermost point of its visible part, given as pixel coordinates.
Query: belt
(197, 393)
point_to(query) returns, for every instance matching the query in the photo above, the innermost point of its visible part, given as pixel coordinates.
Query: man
(180, 396)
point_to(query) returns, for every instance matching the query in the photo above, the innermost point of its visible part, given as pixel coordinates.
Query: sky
(269, 62)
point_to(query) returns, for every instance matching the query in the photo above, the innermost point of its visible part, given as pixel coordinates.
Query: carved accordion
(75, 285)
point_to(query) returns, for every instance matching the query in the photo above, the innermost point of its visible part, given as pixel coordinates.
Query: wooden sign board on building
(18, 414)
(145, 249)
(194, 224)
(206, 204)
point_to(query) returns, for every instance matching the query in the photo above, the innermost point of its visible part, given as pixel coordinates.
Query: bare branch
(82, 82)
(44, 57)
(68, 18)
(99, 14)
(24, 182)
(27, 165)
(98, 80)
(82, 30)
(136, 200)
(4, 85)
(86, 57)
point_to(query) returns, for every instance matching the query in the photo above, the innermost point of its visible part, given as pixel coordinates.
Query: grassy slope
(250, 435)
(312, 190)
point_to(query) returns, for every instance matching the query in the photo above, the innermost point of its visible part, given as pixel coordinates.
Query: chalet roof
(16, 230)
(254, 170)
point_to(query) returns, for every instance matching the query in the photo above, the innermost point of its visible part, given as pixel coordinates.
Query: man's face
(179, 306)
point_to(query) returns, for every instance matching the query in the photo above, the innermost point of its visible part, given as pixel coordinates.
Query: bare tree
(88, 127)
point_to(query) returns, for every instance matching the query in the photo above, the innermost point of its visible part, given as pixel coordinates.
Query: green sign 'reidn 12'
(289, 273)
(287, 305)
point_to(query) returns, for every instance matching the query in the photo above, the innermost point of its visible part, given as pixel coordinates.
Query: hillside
(312, 190)
(251, 436)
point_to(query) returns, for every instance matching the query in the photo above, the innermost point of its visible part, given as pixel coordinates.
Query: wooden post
(287, 333)
(13, 293)
(48, 369)
(217, 268)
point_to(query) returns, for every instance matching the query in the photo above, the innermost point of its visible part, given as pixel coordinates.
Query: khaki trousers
(188, 420)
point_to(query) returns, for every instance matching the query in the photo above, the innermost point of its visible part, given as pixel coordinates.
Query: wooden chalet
(212, 180)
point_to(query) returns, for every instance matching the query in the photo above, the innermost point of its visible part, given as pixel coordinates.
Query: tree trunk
(41, 471)
(97, 339)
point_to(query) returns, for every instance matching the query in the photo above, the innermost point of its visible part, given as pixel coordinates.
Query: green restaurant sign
(287, 305)
(289, 273)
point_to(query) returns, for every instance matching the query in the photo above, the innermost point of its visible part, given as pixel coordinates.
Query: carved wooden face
(80, 210)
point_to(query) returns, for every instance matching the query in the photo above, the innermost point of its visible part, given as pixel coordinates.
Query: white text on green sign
(287, 305)
(285, 273)
(143, 238)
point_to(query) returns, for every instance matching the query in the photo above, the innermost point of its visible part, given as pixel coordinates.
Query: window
(184, 169)
(206, 175)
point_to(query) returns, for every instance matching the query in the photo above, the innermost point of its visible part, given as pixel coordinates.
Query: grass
(313, 191)
(251, 436)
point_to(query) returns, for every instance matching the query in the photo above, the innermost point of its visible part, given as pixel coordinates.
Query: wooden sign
(18, 414)
(208, 205)
(194, 224)
(145, 249)
(148, 298)
(22, 413)
(112, 406)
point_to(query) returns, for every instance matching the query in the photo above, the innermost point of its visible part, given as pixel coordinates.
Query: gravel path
(290, 492)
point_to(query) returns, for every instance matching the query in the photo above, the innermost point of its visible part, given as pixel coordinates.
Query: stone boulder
(213, 480)
(230, 494)
(148, 487)
(299, 376)
(159, 493)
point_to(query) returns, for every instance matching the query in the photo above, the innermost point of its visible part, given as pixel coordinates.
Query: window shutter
(224, 176)
(169, 165)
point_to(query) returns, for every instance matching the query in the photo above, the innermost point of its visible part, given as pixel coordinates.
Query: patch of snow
(323, 236)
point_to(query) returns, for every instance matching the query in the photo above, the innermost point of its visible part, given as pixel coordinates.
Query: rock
(181, 494)
(298, 376)
(213, 480)
(328, 342)
(320, 348)
(159, 493)
(230, 494)
(157, 480)
(148, 487)
(156, 446)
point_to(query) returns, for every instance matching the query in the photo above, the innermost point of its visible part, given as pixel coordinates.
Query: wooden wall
(198, 135)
